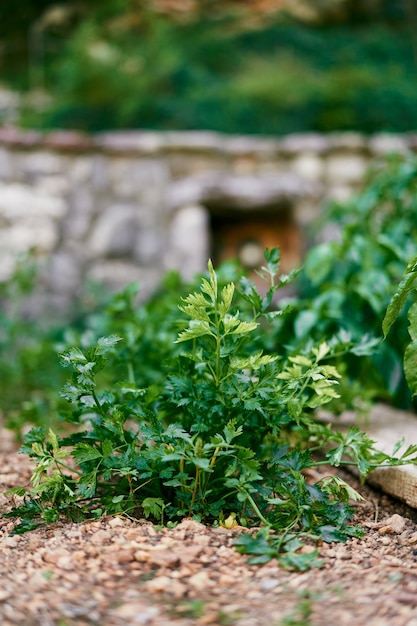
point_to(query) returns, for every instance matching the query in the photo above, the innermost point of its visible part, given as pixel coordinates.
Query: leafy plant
(347, 284)
(28, 369)
(407, 285)
(226, 431)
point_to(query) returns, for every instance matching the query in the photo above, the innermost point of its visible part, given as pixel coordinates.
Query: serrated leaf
(330, 534)
(84, 452)
(107, 448)
(227, 297)
(244, 327)
(196, 313)
(321, 351)
(231, 431)
(195, 330)
(153, 506)
(196, 299)
(299, 359)
(87, 484)
(74, 355)
(105, 344)
(285, 279)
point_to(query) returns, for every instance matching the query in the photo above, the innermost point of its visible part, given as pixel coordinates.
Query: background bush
(125, 65)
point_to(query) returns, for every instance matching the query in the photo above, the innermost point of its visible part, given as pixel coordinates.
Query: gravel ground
(118, 571)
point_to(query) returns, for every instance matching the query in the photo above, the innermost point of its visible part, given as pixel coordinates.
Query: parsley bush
(225, 432)
(203, 401)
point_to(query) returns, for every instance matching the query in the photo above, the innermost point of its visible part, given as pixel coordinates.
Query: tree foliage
(225, 66)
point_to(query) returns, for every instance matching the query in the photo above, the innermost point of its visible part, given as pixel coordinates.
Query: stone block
(348, 142)
(100, 173)
(80, 170)
(76, 227)
(57, 186)
(6, 164)
(195, 141)
(82, 200)
(306, 142)
(188, 243)
(115, 232)
(309, 166)
(385, 143)
(17, 201)
(130, 142)
(242, 145)
(42, 162)
(149, 244)
(34, 232)
(68, 141)
(346, 169)
(131, 176)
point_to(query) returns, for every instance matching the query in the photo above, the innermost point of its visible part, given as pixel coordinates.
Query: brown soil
(119, 571)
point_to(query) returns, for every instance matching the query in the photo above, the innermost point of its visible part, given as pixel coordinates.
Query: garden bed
(124, 571)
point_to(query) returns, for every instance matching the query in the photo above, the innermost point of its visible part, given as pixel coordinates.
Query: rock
(158, 584)
(200, 581)
(394, 525)
(10, 542)
(54, 556)
(100, 537)
(117, 521)
(266, 584)
(136, 613)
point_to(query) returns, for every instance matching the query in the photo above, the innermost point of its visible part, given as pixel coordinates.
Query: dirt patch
(119, 571)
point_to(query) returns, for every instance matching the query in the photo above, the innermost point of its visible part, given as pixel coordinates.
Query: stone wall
(127, 206)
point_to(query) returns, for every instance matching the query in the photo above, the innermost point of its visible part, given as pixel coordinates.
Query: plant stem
(68, 467)
(197, 475)
(98, 405)
(130, 372)
(255, 507)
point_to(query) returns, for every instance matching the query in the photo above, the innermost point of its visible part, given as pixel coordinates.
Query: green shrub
(125, 68)
(346, 285)
(209, 409)
(227, 433)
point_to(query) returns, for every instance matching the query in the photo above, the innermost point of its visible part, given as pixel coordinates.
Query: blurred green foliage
(347, 284)
(342, 294)
(28, 369)
(124, 65)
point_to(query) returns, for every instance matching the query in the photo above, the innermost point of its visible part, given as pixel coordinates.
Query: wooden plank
(386, 425)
